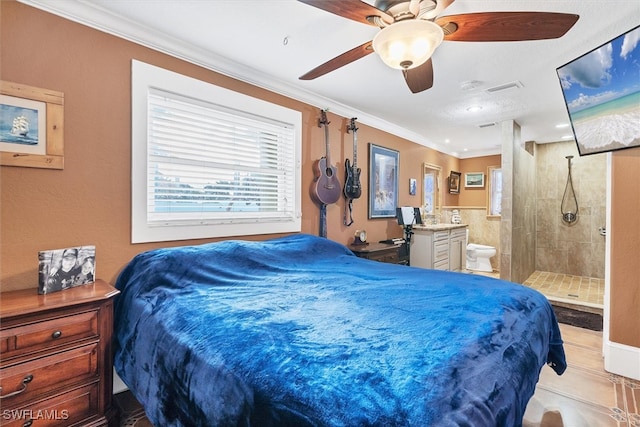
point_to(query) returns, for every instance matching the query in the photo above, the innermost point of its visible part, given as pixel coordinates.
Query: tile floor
(568, 289)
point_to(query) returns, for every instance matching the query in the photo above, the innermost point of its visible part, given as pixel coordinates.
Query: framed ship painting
(22, 125)
(61, 269)
(31, 126)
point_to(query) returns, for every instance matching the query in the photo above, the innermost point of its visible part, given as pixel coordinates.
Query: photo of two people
(61, 269)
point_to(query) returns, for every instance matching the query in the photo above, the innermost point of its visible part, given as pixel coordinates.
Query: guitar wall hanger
(325, 188)
(352, 188)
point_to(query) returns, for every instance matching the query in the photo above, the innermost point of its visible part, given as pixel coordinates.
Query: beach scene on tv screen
(602, 93)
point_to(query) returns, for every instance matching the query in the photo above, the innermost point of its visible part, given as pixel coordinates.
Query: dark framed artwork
(454, 182)
(383, 181)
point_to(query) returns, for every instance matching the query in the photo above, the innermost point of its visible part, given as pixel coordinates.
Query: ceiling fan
(411, 30)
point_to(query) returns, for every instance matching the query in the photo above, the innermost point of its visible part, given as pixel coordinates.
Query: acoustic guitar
(352, 187)
(325, 188)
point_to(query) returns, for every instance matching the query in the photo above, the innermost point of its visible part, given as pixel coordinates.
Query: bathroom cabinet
(440, 247)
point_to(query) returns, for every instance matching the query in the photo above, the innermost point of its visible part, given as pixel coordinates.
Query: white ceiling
(270, 43)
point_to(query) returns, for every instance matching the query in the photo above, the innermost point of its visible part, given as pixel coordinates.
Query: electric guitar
(352, 187)
(325, 188)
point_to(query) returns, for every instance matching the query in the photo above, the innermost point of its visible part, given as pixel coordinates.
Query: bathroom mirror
(431, 197)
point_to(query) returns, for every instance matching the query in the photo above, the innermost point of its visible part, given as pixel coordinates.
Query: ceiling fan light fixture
(408, 44)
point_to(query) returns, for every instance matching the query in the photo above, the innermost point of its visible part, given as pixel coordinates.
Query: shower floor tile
(565, 288)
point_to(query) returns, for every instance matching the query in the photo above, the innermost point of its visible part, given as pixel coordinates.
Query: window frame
(147, 78)
(491, 187)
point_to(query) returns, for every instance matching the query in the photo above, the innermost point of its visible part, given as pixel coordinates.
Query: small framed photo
(61, 269)
(454, 182)
(413, 186)
(474, 179)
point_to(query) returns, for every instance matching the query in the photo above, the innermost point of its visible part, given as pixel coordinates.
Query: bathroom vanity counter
(438, 227)
(439, 246)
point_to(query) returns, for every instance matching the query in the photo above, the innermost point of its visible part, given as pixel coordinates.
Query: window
(210, 162)
(494, 204)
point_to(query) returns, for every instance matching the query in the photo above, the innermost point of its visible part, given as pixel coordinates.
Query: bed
(298, 331)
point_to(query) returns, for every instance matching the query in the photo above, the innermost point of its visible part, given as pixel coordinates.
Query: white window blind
(213, 169)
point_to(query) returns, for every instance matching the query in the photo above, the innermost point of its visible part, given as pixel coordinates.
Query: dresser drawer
(55, 331)
(30, 380)
(64, 409)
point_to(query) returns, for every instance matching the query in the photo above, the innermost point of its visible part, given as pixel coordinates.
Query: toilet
(479, 256)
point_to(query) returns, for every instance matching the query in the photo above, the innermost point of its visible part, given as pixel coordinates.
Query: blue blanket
(298, 331)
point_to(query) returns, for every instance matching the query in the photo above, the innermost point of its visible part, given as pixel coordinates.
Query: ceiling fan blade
(507, 26)
(419, 78)
(351, 9)
(339, 61)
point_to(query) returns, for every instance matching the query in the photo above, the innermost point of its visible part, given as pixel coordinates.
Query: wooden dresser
(56, 357)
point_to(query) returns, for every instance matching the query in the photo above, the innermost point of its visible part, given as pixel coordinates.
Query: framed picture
(454, 182)
(474, 179)
(31, 126)
(413, 186)
(60, 269)
(383, 181)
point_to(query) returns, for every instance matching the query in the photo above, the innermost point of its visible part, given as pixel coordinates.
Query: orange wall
(88, 203)
(476, 196)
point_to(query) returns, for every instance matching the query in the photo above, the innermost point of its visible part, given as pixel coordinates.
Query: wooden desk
(381, 252)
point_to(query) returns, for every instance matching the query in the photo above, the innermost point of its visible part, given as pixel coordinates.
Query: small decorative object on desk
(61, 269)
(455, 217)
(360, 238)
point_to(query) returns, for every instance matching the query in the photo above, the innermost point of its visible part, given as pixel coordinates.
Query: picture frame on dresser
(60, 269)
(383, 181)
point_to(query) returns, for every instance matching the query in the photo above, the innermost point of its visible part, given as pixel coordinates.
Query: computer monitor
(408, 215)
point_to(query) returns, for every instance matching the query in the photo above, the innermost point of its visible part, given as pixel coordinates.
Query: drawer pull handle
(26, 380)
(56, 335)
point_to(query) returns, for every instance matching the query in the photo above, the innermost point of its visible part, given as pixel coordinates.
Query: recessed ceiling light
(446, 141)
(567, 137)
(562, 125)
(474, 108)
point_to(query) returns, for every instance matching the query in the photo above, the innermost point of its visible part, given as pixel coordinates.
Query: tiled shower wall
(577, 249)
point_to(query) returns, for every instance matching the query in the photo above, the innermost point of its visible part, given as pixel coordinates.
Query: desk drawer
(30, 380)
(61, 330)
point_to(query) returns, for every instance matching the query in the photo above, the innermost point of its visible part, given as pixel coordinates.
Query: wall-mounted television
(602, 94)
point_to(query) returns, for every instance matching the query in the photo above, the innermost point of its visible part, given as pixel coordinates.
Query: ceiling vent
(505, 86)
(487, 125)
